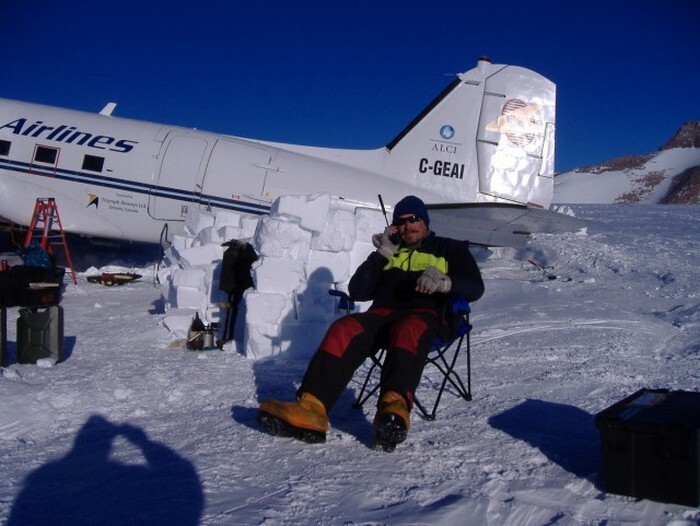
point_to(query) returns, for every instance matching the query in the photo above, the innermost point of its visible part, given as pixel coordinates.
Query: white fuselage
(121, 178)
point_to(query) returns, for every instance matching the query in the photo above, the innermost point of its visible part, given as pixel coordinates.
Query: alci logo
(447, 132)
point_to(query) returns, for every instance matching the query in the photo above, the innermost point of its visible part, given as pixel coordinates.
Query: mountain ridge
(671, 175)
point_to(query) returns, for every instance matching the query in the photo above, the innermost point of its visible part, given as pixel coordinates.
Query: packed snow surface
(132, 429)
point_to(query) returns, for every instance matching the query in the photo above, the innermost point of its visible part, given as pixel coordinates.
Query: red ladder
(46, 212)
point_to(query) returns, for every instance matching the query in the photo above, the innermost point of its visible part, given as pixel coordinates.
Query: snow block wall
(306, 246)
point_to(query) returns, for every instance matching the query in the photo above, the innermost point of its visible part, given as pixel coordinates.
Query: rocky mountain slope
(671, 175)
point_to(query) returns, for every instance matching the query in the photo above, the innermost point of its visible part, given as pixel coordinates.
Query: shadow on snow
(89, 486)
(566, 435)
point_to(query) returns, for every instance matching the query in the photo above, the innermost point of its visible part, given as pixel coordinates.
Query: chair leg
(441, 363)
(446, 368)
(363, 396)
(469, 369)
(423, 410)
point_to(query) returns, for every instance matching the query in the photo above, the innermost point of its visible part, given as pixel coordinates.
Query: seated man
(411, 278)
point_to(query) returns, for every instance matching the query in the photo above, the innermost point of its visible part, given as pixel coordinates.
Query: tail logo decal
(518, 121)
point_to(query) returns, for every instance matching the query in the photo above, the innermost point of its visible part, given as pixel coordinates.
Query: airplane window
(93, 163)
(45, 155)
(5, 147)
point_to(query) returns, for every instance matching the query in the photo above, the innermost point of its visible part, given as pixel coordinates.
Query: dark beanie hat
(411, 205)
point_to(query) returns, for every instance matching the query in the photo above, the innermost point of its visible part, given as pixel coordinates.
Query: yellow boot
(391, 421)
(305, 419)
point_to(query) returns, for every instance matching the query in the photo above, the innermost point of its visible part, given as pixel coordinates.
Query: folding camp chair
(442, 356)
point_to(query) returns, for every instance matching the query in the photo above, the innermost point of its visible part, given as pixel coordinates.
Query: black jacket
(392, 283)
(235, 268)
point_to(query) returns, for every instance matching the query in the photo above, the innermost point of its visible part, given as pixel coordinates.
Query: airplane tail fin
(489, 136)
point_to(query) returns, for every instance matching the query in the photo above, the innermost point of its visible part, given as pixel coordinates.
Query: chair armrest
(345, 302)
(460, 306)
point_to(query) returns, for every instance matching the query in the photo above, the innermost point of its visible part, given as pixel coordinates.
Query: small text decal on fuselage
(443, 168)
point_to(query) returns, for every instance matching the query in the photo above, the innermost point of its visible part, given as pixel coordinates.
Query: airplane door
(180, 178)
(237, 169)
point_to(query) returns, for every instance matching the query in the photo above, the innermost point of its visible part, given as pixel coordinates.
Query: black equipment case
(650, 446)
(31, 286)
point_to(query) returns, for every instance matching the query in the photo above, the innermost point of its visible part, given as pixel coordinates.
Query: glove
(433, 280)
(385, 244)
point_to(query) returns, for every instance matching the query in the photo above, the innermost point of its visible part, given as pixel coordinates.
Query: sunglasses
(408, 219)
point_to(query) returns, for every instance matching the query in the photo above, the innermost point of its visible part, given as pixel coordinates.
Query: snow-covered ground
(131, 430)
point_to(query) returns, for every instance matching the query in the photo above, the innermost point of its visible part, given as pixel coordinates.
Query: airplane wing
(497, 224)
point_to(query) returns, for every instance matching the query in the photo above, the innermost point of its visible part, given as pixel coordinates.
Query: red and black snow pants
(406, 334)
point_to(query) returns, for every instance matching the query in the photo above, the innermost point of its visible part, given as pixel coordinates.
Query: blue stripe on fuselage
(143, 188)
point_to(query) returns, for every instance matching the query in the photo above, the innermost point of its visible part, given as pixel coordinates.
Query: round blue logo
(447, 132)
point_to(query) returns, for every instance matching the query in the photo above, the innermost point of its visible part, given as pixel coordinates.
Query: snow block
(212, 276)
(360, 251)
(227, 233)
(178, 321)
(171, 257)
(368, 222)
(190, 298)
(208, 235)
(249, 224)
(197, 220)
(333, 266)
(262, 341)
(309, 211)
(266, 309)
(313, 303)
(180, 242)
(162, 275)
(224, 218)
(280, 239)
(201, 256)
(213, 314)
(338, 233)
(277, 275)
(192, 277)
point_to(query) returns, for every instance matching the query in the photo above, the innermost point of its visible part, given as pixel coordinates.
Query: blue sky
(353, 74)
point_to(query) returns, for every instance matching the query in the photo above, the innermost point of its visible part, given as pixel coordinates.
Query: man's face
(411, 228)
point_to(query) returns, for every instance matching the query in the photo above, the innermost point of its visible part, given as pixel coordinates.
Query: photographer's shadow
(88, 486)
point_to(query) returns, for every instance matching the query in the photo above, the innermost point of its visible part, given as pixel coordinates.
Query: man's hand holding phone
(387, 243)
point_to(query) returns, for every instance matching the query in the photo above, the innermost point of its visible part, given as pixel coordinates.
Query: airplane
(480, 155)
